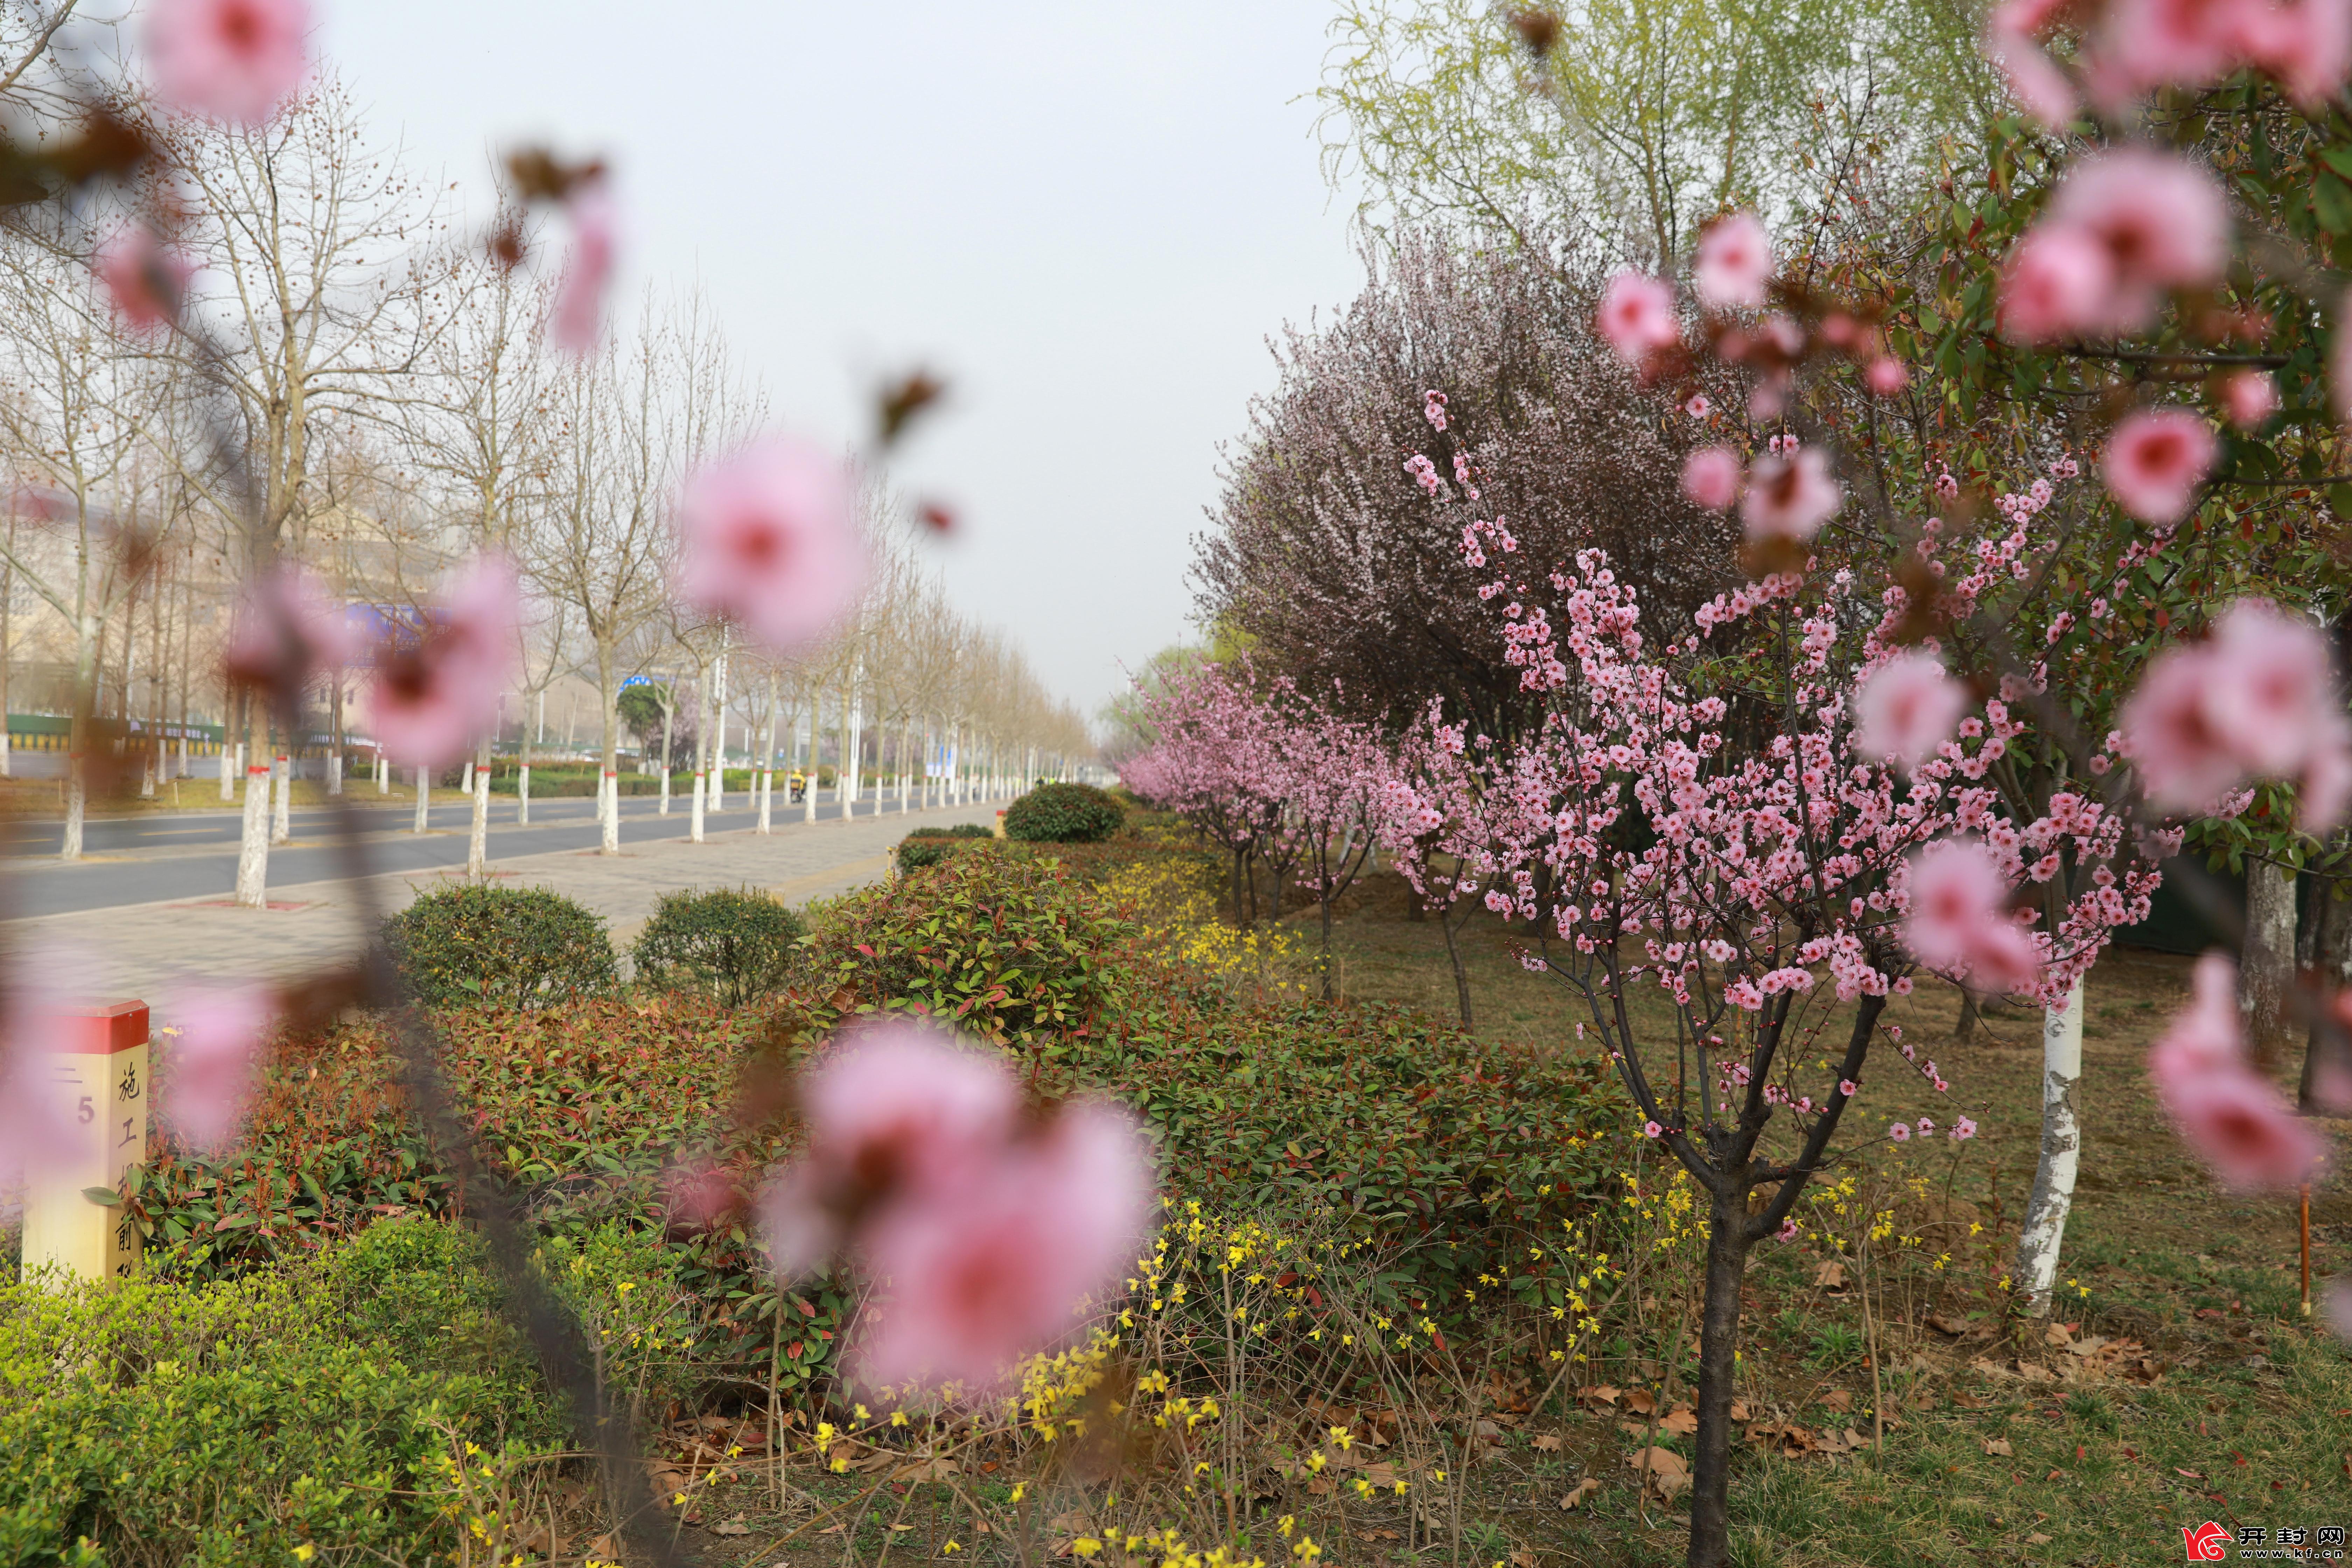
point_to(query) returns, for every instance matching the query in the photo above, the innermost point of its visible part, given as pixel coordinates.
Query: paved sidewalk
(148, 951)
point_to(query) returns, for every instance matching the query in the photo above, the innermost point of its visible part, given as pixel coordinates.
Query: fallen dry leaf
(1641, 1402)
(1838, 1399)
(1599, 1393)
(1740, 1410)
(1999, 1447)
(1830, 1275)
(2058, 1335)
(1546, 1443)
(1578, 1492)
(1662, 1471)
(1681, 1421)
(2038, 1539)
(1956, 1327)
(734, 1526)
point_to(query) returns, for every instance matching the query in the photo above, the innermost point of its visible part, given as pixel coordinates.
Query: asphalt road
(191, 855)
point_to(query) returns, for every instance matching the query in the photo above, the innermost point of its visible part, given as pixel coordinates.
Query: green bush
(739, 945)
(1063, 813)
(227, 1423)
(929, 846)
(522, 947)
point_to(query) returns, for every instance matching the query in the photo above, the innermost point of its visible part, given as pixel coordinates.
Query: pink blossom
(2249, 397)
(2239, 1123)
(2258, 698)
(1900, 1132)
(1963, 1130)
(1651, 1129)
(1697, 407)
(1637, 316)
(2058, 284)
(439, 693)
(1885, 376)
(214, 1055)
(769, 538)
(575, 320)
(1959, 918)
(2306, 43)
(2155, 461)
(897, 1115)
(236, 61)
(1711, 478)
(998, 1268)
(1790, 497)
(2183, 765)
(2161, 220)
(288, 630)
(2269, 683)
(145, 279)
(1735, 259)
(1788, 1231)
(38, 1133)
(1433, 408)
(1907, 708)
(2231, 1115)
(2033, 79)
(1848, 1087)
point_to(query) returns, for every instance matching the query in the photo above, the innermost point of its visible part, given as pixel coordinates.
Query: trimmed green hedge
(525, 947)
(1063, 813)
(736, 944)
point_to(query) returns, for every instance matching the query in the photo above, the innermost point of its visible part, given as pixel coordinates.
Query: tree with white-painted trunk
(89, 507)
(2043, 1230)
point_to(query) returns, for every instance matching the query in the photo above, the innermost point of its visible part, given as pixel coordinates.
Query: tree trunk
(77, 786)
(2325, 1085)
(2266, 967)
(1718, 1368)
(1453, 956)
(281, 808)
(424, 799)
(253, 843)
(2053, 1199)
(701, 752)
(478, 838)
(608, 701)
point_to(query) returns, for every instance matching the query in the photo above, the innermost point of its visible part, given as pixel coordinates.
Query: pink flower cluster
(985, 1229)
(2256, 699)
(439, 691)
(2135, 46)
(2127, 227)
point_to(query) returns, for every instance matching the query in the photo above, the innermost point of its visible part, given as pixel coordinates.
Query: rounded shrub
(516, 947)
(736, 944)
(1063, 813)
(929, 846)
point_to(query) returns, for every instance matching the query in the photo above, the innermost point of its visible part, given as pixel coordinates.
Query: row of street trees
(399, 408)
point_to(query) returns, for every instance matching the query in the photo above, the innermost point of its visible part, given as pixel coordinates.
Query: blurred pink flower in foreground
(1960, 921)
(35, 1135)
(768, 538)
(897, 1115)
(1637, 316)
(1711, 478)
(1907, 708)
(215, 1057)
(999, 1271)
(985, 1231)
(2256, 699)
(2249, 397)
(2231, 1116)
(2055, 285)
(2033, 78)
(286, 630)
(575, 321)
(2155, 460)
(1734, 261)
(433, 697)
(236, 61)
(1791, 496)
(144, 279)
(2127, 226)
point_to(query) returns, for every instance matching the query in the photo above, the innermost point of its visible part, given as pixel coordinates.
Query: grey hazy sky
(1089, 216)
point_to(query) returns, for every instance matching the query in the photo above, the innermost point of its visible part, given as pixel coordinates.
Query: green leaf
(106, 1195)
